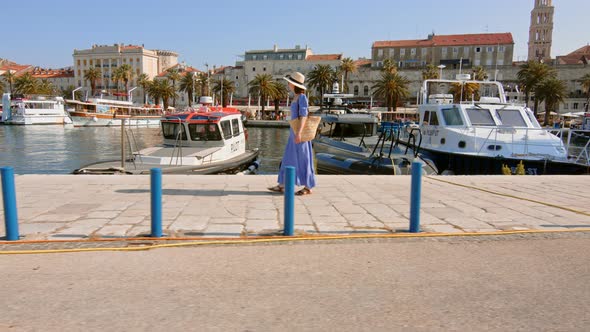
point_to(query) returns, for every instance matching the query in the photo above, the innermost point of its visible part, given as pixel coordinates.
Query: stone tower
(541, 31)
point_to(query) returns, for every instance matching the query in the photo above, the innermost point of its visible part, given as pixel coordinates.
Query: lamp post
(74, 93)
(129, 95)
(441, 67)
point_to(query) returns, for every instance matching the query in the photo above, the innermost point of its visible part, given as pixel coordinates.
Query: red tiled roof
(451, 40)
(52, 73)
(323, 57)
(584, 50)
(362, 62)
(579, 56)
(185, 70)
(14, 67)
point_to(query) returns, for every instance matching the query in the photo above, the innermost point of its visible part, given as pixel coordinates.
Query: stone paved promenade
(65, 207)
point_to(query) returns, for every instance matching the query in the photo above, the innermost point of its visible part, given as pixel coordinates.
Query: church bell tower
(541, 31)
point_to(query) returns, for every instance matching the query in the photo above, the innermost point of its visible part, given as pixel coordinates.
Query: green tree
(389, 66)
(392, 87)
(9, 78)
(162, 90)
(2, 87)
(585, 80)
(26, 84)
(281, 93)
(552, 91)
(228, 88)
(188, 84)
(530, 75)
(464, 91)
(143, 81)
(67, 93)
(123, 74)
(174, 76)
(203, 83)
(44, 87)
(92, 75)
(321, 78)
(263, 86)
(430, 72)
(479, 73)
(347, 66)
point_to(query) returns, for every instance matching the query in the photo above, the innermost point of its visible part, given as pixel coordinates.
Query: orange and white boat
(98, 112)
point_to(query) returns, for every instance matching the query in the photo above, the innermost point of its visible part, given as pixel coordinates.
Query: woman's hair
(298, 90)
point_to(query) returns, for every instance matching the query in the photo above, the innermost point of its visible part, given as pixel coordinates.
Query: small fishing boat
(208, 141)
(33, 110)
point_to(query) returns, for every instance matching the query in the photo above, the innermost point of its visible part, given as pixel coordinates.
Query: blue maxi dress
(300, 155)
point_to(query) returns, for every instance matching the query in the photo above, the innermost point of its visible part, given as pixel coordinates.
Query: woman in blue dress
(297, 154)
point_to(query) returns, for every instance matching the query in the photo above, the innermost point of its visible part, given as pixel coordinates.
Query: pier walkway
(68, 207)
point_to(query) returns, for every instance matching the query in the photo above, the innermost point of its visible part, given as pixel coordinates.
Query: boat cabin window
(511, 118)
(480, 117)
(235, 124)
(532, 118)
(452, 116)
(226, 127)
(204, 132)
(430, 118)
(170, 130)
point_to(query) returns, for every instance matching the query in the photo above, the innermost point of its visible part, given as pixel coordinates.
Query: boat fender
(94, 119)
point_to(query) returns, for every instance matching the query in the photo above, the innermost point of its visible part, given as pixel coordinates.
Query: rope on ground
(280, 239)
(508, 195)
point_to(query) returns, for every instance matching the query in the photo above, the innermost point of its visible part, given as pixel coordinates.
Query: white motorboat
(33, 110)
(203, 142)
(476, 131)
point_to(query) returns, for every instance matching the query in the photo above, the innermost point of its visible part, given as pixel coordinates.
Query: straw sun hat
(297, 79)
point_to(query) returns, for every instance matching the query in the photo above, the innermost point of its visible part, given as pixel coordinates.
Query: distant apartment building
(487, 50)
(61, 79)
(107, 58)
(276, 62)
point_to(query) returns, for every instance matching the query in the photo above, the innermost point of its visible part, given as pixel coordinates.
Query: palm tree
(262, 85)
(464, 90)
(188, 85)
(389, 66)
(281, 93)
(585, 80)
(174, 76)
(161, 89)
(92, 75)
(143, 80)
(123, 74)
(45, 87)
(67, 92)
(430, 72)
(9, 78)
(552, 91)
(347, 66)
(321, 78)
(228, 88)
(202, 81)
(392, 87)
(2, 87)
(26, 84)
(530, 75)
(479, 73)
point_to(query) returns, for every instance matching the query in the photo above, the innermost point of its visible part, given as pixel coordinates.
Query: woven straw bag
(310, 129)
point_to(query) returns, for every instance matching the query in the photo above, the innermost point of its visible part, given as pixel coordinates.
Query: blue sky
(45, 33)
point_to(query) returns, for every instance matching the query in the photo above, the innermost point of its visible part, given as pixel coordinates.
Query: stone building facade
(541, 31)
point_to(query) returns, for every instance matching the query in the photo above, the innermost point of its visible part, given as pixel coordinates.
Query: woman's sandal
(303, 192)
(276, 189)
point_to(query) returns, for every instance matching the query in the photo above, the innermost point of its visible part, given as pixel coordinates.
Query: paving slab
(69, 206)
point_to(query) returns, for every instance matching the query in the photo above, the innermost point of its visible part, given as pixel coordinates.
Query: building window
(264, 57)
(263, 68)
(575, 106)
(501, 49)
(78, 62)
(299, 56)
(91, 62)
(478, 50)
(366, 90)
(566, 106)
(254, 57)
(488, 62)
(84, 62)
(500, 62)
(281, 56)
(380, 52)
(444, 51)
(130, 60)
(253, 68)
(477, 62)
(236, 78)
(424, 50)
(490, 49)
(290, 56)
(466, 50)
(137, 60)
(356, 90)
(402, 51)
(413, 51)
(455, 50)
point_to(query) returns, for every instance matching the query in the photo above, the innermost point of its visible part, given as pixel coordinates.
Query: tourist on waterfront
(297, 154)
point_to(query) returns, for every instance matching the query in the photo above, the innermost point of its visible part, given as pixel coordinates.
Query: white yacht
(33, 110)
(477, 131)
(102, 112)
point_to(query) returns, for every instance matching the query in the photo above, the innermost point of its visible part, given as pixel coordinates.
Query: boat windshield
(170, 130)
(511, 118)
(204, 132)
(480, 117)
(452, 116)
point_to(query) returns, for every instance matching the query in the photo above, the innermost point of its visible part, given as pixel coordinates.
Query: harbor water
(61, 149)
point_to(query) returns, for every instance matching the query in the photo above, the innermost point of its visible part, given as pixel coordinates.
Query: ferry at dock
(33, 110)
(100, 112)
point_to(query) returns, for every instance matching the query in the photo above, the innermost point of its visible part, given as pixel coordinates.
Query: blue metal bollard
(10, 212)
(156, 201)
(415, 197)
(289, 201)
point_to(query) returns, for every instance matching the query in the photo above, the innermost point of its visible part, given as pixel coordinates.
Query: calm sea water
(60, 150)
